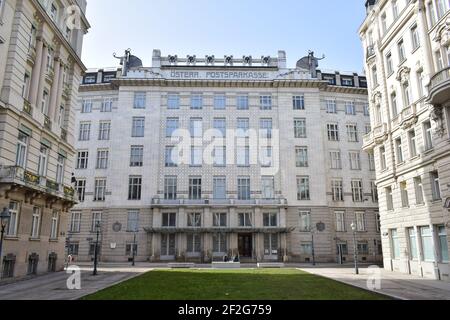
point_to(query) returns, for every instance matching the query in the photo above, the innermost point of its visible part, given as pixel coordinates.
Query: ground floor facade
(208, 232)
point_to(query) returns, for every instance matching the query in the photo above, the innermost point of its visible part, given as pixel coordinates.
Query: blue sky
(221, 27)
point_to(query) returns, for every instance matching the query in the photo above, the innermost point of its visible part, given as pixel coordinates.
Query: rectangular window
(357, 191)
(196, 156)
(374, 191)
(418, 186)
(219, 156)
(106, 105)
(138, 129)
(172, 124)
(243, 126)
(169, 220)
(428, 135)
(43, 161)
(80, 188)
(443, 244)
(140, 100)
(196, 127)
(220, 102)
(331, 106)
(26, 81)
(401, 51)
(395, 240)
(96, 220)
(60, 169)
(13, 222)
(399, 150)
(129, 247)
(363, 248)
(268, 188)
(301, 157)
(86, 106)
(412, 143)
(303, 190)
(265, 102)
(242, 102)
(340, 221)
(389, 199)
(196, 101)
(193, 244)
(243, 156)
(333, 132)
(306, 248)
(75, 222)
(82, 160)
(426, 237)
(36, 223)
(135, 188)
(383, 163)
(194, 220)
(435, 186)
(244, 188)
(300, 128)
(245, 219)
(100, 190)
(220, 127)
(266, 157)
(168, 245)
(220, 243)
(171, 156)
(170, 188)
(355, 160)
(173, 101)
(54, 225)
(412, 239)
(270, 220)
(335, 160)
(219, 220)
(104, 131)
(394, 104)
(102, 159)
(404, 194)
(305, 221)
(352, 133)
(389, 64)
(350, 108)
(220, 188)
(133, 221)
(265, 128)
(415, 37)
(271, 244)
(298, 102)
(371, 157)
(337, 188)
(195, 188)
(360, 221)
(85, 131)
(137, 156)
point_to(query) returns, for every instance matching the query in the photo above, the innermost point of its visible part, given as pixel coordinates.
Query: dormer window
(348, 82)
(90, 79)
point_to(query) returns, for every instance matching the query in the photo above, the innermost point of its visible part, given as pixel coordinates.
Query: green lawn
(245, 284)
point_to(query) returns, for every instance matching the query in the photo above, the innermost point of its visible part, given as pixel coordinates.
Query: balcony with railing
(439, 87)
(218, 202)
(39, 185)
(373, 138)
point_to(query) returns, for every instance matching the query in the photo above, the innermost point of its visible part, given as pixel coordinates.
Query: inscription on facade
(220, 75)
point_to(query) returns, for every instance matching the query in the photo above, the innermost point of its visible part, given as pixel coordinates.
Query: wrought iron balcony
(39, 185)
(439, 87)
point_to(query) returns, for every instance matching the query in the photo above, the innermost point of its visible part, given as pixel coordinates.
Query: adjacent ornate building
(286, 163)
(407, 48)
(40, 71)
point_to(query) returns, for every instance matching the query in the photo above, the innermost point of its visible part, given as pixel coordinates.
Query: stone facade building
(40, 71)
(407, 58)
(286, 163)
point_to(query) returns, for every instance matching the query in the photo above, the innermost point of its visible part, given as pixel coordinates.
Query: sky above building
(233, 27)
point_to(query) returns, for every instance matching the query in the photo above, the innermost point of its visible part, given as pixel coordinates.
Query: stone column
(437, 255)
(34, 84)
(60, 90)
(42, 74)
(54, 91)
(425, 39)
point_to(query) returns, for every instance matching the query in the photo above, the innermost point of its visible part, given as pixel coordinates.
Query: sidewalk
(53, 286)
(396, 285)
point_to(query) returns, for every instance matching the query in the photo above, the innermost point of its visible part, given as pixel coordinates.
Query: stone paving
(396, 285)
(54, 287)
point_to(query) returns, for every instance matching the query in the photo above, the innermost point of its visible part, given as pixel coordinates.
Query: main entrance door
(245, 243)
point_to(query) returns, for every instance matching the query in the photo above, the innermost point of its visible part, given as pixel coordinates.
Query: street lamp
(355, 249)
(4, 219)
(97, 229)
(134, 249)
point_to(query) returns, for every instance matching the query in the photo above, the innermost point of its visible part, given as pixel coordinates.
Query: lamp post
(4, 219)
(312, 249)
(97, 229)
(355, 249)
(134, 249)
